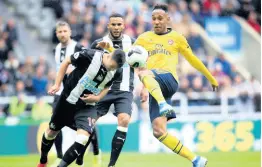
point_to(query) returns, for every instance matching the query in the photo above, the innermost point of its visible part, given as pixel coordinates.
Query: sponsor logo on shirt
(89, 85)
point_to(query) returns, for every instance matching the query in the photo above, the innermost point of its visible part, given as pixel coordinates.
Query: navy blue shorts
(169, 86)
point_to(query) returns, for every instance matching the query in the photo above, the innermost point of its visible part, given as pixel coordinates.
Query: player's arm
(91, 98)
(186, 51)
(78, 48)
(60, 76)
(95, 45)
(78, 59)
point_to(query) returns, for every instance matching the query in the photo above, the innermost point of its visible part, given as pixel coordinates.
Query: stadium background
(225, 34)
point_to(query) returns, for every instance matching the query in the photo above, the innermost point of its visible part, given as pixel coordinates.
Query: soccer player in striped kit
(87, 84)
(121, 92)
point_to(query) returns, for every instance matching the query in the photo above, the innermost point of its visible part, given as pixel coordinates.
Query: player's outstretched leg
(78, 147)
(153, 87)
(119, 138)
(47, 142)
(173, 143)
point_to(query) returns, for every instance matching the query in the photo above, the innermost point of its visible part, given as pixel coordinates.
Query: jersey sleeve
(93, 45)
(141, 40)
(79, 47)
(83, 58)
(186, 51)
(118, 73)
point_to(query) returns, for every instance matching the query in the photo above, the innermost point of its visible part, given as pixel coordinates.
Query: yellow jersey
(163, 51)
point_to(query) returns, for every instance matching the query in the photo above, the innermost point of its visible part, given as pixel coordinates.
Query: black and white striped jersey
(62, 52)
(126, 81)
(89, 76)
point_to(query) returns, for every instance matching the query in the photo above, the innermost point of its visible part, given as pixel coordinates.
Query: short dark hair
(120, 57)
(62, 23)
(116, 15)
(162, 6)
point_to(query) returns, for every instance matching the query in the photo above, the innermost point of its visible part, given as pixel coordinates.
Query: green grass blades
(215, 159)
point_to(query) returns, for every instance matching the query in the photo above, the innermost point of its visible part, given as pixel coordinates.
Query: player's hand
(214, 84)
(90, 98)
(215, 88)
(144, 95)
(55, 88)
(103, 45)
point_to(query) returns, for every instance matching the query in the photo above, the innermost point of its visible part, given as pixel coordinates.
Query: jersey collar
(115, 39)
(168, 31)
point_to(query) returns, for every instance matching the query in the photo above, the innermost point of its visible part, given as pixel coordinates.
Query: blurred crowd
(88, 20)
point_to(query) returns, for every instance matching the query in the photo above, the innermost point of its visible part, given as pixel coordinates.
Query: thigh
(167, 83)
(123, 102)
(103, 105)
(85, 118)
(63, 114)
(154, 109)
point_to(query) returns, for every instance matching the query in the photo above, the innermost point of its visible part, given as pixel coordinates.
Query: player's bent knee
(143, 73)
(82, 139)
(51, 134)
(158, 131)
(123, 120)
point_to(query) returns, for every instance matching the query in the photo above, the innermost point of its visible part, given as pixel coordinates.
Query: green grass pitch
(216, 159)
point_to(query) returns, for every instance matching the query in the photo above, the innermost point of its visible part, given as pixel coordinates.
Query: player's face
(63, 33)
(116, 26)
(160, 20)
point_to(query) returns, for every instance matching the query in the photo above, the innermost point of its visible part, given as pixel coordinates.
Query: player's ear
(70, 32)
(168, 18)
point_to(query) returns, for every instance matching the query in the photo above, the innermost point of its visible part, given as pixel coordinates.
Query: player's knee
(50, 134)
(82, 139)
(143, 73)
(123, 120)
(158, 131)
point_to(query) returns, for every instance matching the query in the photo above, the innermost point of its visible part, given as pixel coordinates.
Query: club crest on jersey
(170, 41)
(100, 77)
(76, 55)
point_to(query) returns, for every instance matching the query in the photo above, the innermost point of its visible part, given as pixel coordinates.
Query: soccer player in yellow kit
(161, 80)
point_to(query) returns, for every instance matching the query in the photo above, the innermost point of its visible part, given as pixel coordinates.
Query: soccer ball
(137, 56)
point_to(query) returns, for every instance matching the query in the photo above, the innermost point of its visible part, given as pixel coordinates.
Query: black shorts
(66, 114)
(56, 98)
(169, 86)
(122, 101)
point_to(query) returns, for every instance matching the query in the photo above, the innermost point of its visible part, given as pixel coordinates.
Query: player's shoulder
(129, 38)
(94, 43)
(146, 34)
(79, 47)
(177, 35)
(58, 46)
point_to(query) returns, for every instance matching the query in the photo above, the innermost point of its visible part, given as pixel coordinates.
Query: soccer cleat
(199, 162)
(165, 109)
(97, 160)
(79, 161)
(42, 165)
